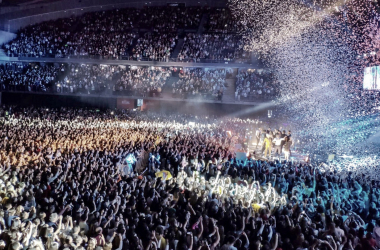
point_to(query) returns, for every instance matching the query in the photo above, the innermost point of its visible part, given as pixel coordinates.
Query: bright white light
(325, 84)
(130, 159)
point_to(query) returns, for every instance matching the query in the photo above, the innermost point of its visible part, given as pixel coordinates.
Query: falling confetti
(314, 50)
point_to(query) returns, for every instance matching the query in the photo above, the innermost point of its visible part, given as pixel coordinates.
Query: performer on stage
(268, 145)
(257, 137)
(288, 143)
(278, 141)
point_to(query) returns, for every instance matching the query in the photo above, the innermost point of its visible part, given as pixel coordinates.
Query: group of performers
(273, 143)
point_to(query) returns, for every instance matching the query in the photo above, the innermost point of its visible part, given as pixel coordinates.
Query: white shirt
(278, 141)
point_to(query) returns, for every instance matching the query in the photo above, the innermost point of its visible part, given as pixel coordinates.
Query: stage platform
(295, 156)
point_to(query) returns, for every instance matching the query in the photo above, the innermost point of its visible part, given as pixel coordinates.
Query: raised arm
(214, 244)
(275, 242)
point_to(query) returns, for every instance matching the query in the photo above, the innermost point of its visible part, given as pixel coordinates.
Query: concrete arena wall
(19, 18)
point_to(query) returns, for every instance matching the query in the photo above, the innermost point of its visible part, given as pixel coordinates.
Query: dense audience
(143, 81)
(206, 83)
(108, 34)
(149, 33)
(87, 79)
(215, 47)
(108, 79)
(155, 46)
(44, 39)
(27, 77)
(195, 82)
(170, 19)
(221, 21)
(254, 85)
(80, 179)
(84, 78)
(74, 78)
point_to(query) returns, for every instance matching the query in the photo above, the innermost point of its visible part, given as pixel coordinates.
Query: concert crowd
(90, 179)
(133, 34)
(111, 79)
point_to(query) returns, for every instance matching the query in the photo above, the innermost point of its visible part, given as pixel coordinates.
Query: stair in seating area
(229, 92)
(2, 53)
(134, 42)
(177, 48)
(167, 88)
(202, 23)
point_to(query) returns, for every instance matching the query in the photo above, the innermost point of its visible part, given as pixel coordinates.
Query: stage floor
(295, 156)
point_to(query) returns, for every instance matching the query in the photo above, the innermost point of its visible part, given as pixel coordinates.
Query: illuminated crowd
(133, 34)
(22, 77)
(90, 179)
(84, 79)
(195, 82)
(255, 85)
(212, 48)
(125, 179)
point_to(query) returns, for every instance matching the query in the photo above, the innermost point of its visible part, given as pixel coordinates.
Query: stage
(297, 155)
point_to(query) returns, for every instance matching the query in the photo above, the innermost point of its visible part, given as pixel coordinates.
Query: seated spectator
(195, 82)
(43, 39)
(88, 79)
(154, 46)
(221, 21)
(103, 34)
(28, 77)
(254, 85)
(218, 47)
(107, 34)
(170, 19)
(143, 81)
